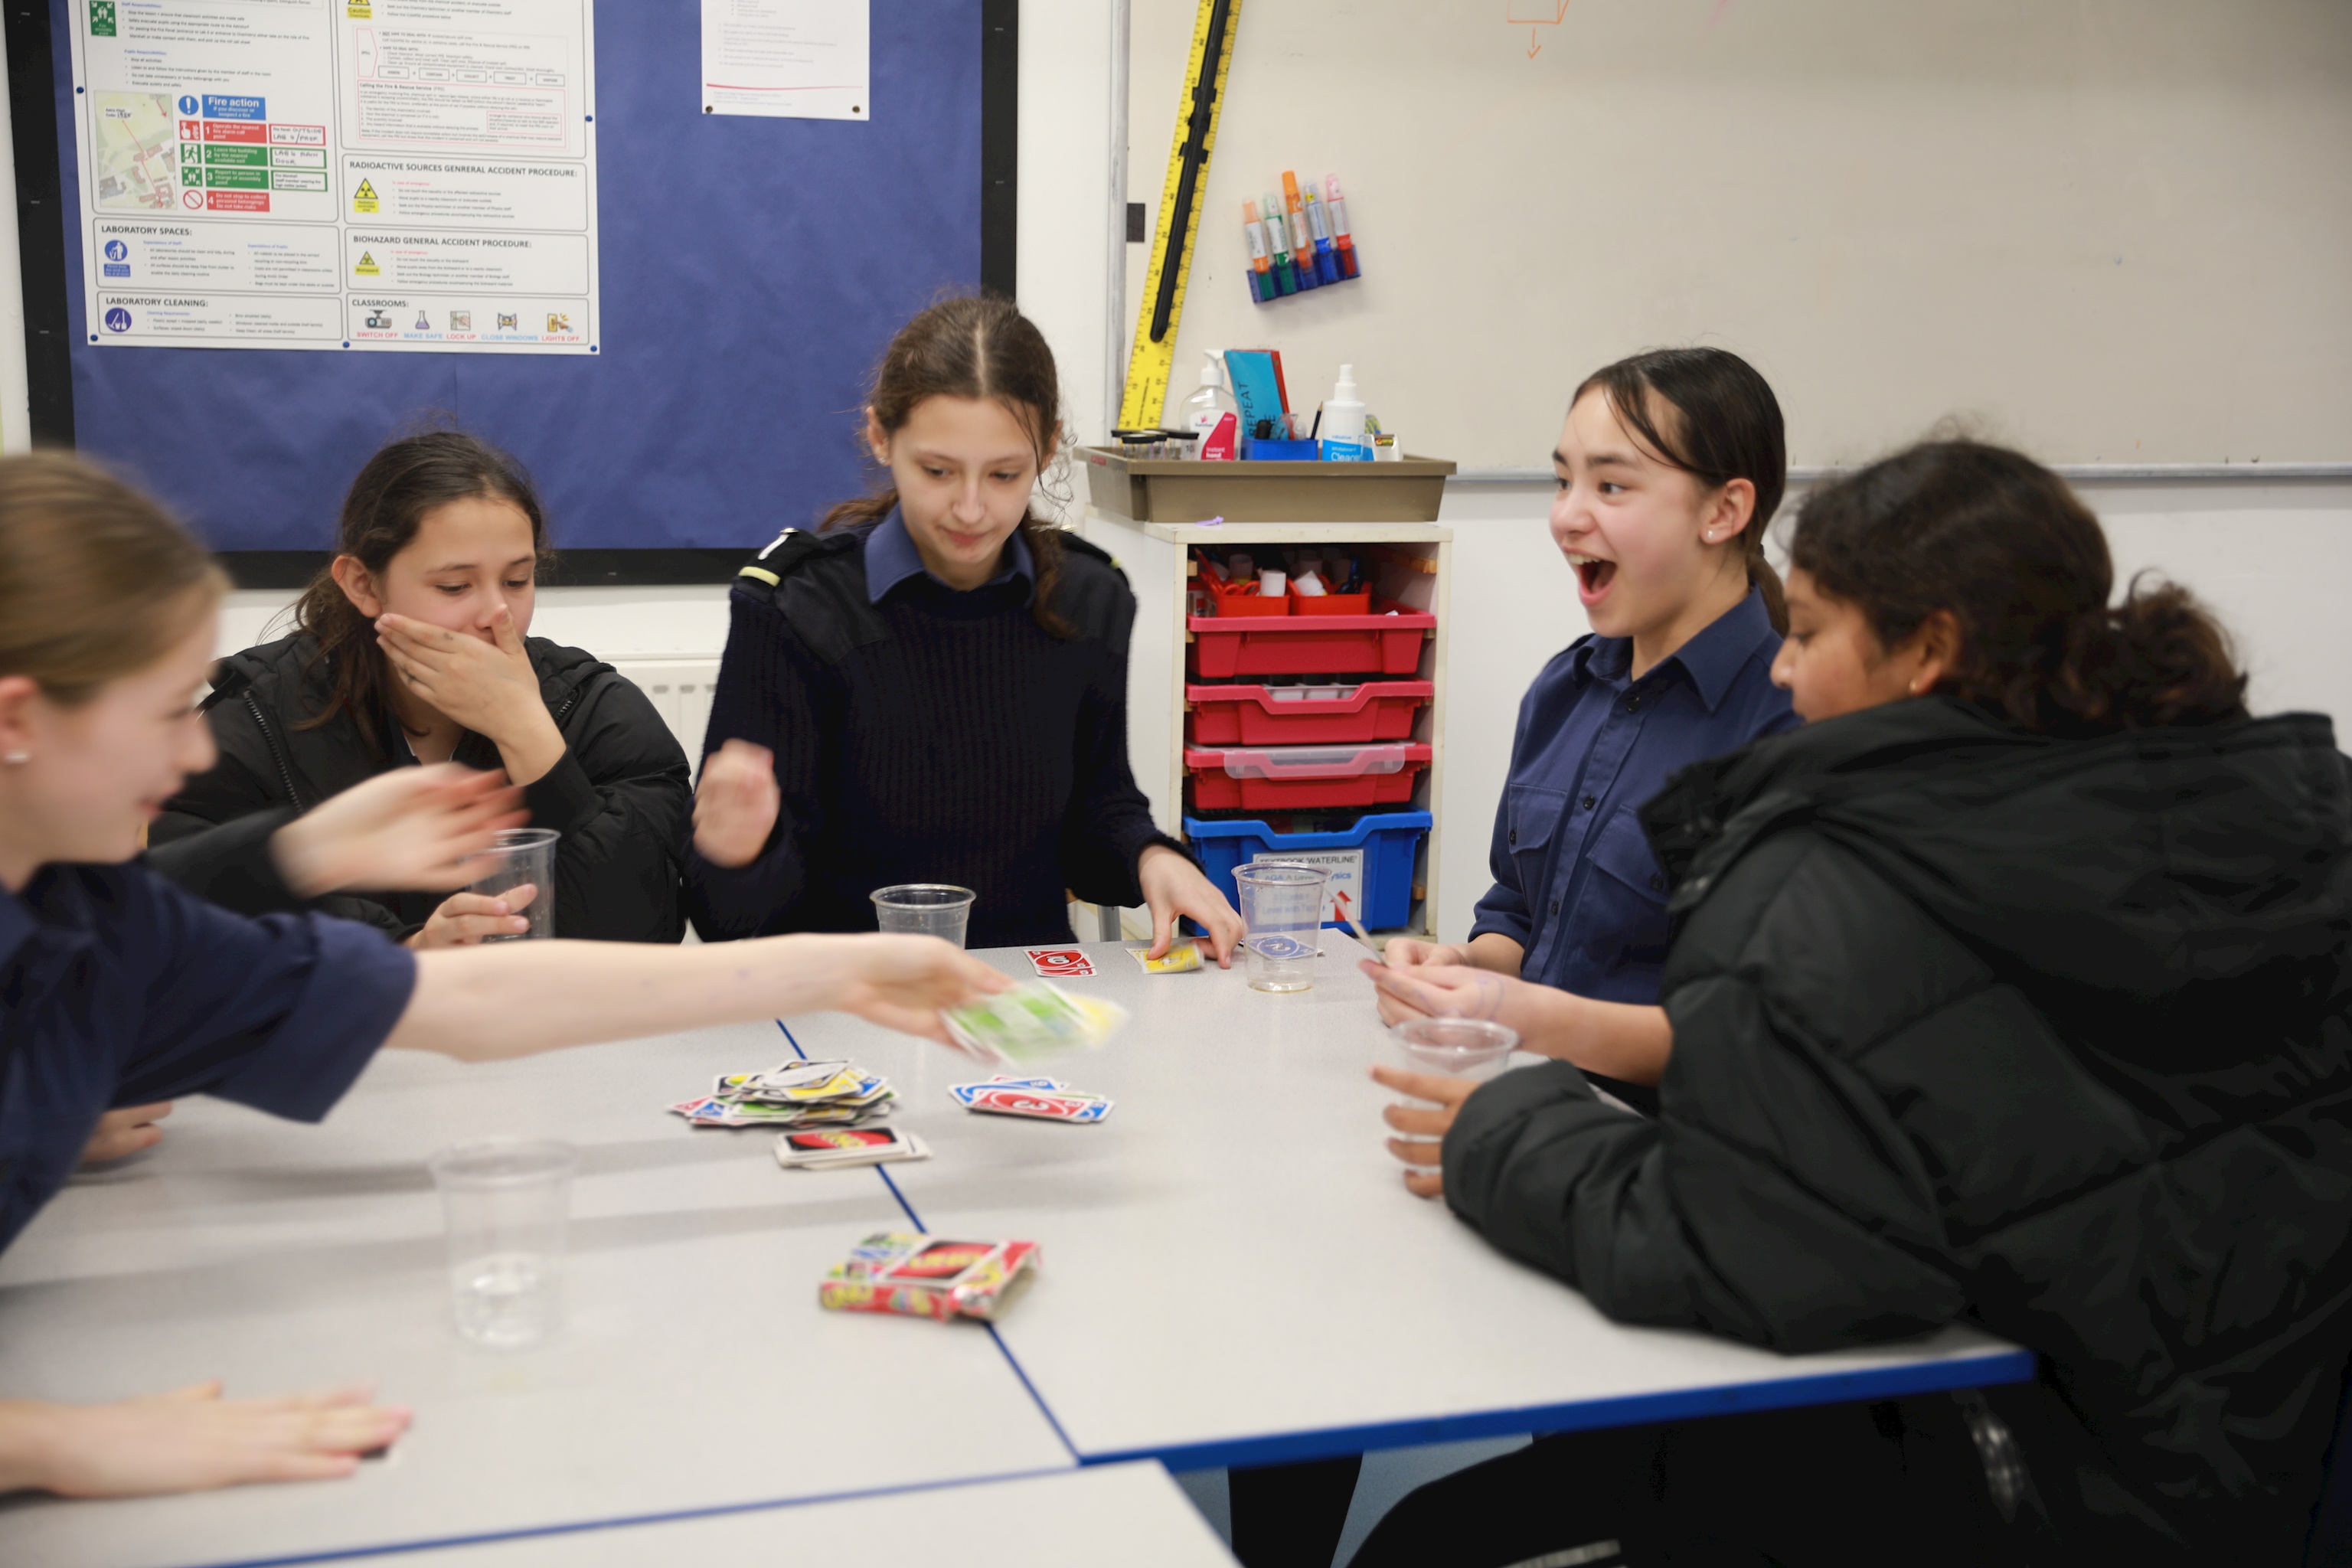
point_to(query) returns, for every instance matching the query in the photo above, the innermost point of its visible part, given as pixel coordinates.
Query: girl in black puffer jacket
(2016, 989)
(413, 646)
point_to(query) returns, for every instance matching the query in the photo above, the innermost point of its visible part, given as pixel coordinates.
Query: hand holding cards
(1031, 1021)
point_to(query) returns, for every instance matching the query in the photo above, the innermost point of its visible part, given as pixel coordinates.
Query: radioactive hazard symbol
(364, 199)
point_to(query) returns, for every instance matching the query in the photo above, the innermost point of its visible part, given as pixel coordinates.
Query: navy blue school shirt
(891, 558)
(117, 988)
(1575, 883)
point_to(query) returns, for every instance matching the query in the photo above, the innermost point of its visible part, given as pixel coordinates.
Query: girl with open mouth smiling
(1669, 466)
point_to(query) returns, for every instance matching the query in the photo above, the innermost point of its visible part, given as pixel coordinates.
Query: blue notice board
(752, 271)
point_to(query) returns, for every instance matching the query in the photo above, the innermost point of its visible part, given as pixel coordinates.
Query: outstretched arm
(518, 998)
(189, 1440)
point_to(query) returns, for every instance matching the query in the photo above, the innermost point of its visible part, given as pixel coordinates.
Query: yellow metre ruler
(1145, 400)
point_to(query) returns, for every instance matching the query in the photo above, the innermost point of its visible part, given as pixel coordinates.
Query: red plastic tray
(1307, 645)
(1330, 604)
(1289, 716)
(1304, 777)
(1256, 606)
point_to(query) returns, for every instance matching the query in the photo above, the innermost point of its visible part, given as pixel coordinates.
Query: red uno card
(848, 1146)
(1060, 962)
(1009, 1101)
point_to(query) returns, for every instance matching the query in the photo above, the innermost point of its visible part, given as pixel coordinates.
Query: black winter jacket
(619, 797)
(2051, 1036)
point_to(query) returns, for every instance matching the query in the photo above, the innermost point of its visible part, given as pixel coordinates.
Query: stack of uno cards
(1032, 1021)
(797, 1094)
(919, 1276)
(822, 1148)
(1048, 1098)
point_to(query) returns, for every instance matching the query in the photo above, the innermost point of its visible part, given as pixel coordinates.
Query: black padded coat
(619, 795)
(2050, 1036)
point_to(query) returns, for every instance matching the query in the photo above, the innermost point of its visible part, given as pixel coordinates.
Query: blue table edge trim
(622, 1522)
(1636, 1410)
(994, 1338)
(1991, 1368)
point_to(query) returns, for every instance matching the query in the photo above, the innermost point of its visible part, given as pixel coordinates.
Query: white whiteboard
(2110, 231)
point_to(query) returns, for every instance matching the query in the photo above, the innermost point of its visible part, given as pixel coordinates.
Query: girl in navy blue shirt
(117, 987)
(1669, 466)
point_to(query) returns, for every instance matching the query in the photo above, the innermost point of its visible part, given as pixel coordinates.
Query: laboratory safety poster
(346, 174)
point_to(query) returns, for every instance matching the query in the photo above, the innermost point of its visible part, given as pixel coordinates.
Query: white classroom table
(1132, 1515)
(1233, 1274)
(694, 1371)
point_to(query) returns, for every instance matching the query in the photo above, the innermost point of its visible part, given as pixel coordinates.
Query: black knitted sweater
(937, 736)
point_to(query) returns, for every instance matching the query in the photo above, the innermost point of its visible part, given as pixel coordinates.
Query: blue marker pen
(1326, 261)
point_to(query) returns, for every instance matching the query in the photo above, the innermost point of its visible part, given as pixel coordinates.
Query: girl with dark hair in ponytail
(932, 687)
(412, 647)
(2015, 990)
(1669, 466)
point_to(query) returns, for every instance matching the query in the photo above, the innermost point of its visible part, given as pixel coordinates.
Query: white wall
(2270, 557)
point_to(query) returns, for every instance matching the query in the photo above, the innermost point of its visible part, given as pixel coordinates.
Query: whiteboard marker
(1261, 273)
(1336, 212)
(1327, 262)
(1278, 236)
(1302, 243)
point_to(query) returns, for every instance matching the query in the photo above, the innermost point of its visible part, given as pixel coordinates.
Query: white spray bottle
(1214, 416)
(1343, 422)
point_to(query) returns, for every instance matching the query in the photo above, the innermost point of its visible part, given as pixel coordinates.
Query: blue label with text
(227, 106)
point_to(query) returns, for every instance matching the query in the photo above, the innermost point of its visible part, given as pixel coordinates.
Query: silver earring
(17, 759)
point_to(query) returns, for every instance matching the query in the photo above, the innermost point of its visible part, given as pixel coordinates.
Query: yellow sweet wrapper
(1183, 958)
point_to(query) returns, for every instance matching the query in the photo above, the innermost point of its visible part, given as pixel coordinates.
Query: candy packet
(919, 1276)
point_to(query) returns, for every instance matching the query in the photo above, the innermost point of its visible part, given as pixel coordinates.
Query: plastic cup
(1282, 906)
(505, 1202)
(927, 909)
(523, 857)
(1474, 1048)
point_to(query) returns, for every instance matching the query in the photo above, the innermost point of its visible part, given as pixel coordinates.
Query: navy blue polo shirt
(891, 558)
(117, 988)
(1575, 883)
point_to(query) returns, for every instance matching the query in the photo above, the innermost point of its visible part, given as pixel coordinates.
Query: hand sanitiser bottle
(1343, 423)
(1212, 414)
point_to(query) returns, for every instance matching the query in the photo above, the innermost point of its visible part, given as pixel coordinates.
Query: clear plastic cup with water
(1282, 906)
(506, 1202)
(925, 908)
(1475, 1049)
(523, 857)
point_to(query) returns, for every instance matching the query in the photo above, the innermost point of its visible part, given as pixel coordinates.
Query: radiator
(680, 690)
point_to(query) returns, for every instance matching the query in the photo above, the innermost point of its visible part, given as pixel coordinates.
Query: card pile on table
(918, 1276)
(1032, 1021)
(796, 1094)
(1048, 1098)
(827, 1148)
